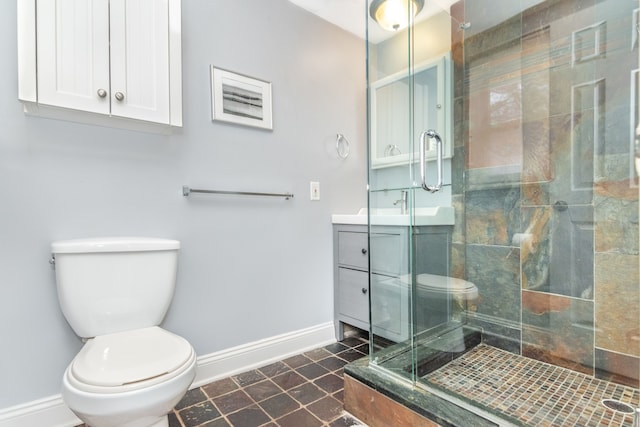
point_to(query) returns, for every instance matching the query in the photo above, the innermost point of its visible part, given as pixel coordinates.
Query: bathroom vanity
(387, 290)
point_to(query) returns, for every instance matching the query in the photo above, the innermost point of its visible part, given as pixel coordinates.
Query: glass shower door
(538, 274)
(548, 199)
(390, 198)
(410, 213)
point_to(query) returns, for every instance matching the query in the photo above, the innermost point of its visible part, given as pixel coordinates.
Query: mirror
(391, 143)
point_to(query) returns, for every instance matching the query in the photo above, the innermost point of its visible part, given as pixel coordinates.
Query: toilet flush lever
(52, 261)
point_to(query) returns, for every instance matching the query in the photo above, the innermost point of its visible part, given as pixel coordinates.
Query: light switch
(314, 190)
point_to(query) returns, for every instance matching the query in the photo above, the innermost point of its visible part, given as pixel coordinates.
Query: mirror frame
(444, 97)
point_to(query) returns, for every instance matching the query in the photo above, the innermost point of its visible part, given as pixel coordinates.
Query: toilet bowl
(114, 292)
(129, 379)
(442, 301)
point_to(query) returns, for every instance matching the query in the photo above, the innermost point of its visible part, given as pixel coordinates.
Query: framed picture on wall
(240, 99)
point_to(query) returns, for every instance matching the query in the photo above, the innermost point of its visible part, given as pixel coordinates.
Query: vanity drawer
(353, 249)
(388, 255)
(353, 294)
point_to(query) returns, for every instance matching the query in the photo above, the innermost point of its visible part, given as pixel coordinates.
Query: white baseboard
(47, 412)
(222, 364)
(52, 412)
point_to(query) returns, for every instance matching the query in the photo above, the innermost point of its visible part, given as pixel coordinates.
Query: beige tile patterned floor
(533, 392)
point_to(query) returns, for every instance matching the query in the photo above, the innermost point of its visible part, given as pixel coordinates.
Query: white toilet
(442, 299)
(114, 293)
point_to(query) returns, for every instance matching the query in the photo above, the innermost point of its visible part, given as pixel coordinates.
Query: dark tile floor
(301, 391)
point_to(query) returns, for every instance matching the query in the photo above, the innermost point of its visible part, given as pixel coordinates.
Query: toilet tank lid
(113, 244)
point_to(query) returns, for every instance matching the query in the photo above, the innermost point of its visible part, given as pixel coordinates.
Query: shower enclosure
(505, 134)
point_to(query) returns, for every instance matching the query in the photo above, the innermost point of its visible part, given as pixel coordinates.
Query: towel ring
(342, 146)
(392, 150)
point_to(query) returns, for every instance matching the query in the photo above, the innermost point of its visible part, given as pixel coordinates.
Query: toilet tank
(113, 284)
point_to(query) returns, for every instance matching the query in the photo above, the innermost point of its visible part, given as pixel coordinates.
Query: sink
(437, 215)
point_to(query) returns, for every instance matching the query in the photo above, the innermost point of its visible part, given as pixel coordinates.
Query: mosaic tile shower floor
(531, 392)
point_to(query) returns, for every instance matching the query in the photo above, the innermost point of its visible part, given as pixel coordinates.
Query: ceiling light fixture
(394, 15)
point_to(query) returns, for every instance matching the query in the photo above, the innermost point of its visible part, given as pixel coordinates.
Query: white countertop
(437, 215)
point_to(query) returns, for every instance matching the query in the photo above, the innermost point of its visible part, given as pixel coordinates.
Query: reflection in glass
(540, 272)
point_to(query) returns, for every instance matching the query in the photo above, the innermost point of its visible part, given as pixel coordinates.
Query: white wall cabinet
(109, 58)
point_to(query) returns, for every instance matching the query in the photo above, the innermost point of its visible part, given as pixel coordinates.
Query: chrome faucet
(402, 201)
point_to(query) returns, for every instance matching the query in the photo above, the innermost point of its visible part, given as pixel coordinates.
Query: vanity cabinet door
(390, 307)
(73, 54)
(353, 294)
(388, 255)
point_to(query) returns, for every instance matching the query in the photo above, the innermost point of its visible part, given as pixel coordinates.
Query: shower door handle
(423, 160)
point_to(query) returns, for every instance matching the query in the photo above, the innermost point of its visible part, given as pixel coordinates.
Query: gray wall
(249, 268)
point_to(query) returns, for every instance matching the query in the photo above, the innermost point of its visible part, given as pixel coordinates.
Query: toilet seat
(447, 285)
(130, 360)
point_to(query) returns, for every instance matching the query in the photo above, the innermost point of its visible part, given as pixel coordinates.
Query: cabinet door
(73, 54)
(390, 307)
(353, 294)
(140, 59)
(389, 251)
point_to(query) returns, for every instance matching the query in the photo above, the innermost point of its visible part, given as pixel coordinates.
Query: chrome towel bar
(186, 190)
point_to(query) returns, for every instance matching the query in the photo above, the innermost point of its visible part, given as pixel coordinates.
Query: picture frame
(239, 99)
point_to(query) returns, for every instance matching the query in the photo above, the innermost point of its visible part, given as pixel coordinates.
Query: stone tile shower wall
(545, 190)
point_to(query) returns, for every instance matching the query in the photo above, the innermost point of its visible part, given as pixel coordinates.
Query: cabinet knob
(119, 96)
(364, 251)
(102, 93)
(364, 290)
